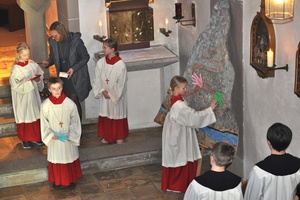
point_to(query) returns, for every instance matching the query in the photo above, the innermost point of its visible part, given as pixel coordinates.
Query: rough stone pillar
(35, 27)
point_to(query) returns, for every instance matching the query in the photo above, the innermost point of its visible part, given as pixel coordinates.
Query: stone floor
(141, 182)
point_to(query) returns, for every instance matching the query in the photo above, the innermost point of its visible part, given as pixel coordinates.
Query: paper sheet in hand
(63, 74)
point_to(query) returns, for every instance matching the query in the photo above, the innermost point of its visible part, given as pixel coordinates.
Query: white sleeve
(254, 187)
(46, 131)
(97, 83)
(187, 116)
(121, 80)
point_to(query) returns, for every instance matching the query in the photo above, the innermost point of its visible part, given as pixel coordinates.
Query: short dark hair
(223, 153)
(280, 136)
(53, 80)
(112, 43)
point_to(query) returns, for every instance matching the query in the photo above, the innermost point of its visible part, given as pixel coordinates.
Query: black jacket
(78, 58)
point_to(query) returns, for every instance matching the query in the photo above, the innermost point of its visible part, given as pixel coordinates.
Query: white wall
(150, 84)
(270, 100)
(189, 34)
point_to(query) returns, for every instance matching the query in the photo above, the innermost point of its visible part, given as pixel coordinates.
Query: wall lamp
(179, 18)
(279, 11)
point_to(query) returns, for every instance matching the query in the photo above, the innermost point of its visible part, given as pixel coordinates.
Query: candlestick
(100, 29)
(270, 56)
(167, 25)
(178, 11)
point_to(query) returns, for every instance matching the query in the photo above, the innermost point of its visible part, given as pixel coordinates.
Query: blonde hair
(21, 47)
(176, 81)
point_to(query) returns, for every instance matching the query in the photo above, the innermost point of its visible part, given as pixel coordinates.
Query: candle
(167, 25)
(100, 28)
(178, 12)
(270, 57)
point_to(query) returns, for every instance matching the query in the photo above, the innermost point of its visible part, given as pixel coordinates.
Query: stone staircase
(7, 121)
(19, 166)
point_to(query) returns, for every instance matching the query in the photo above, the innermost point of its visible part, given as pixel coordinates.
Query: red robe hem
(178, 178)
(29, 131)
(112, 129)
(64, 174)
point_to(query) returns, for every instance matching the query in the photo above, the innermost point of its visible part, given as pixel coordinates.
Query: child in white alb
(61, 131)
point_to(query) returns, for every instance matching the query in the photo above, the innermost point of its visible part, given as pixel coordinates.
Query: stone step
(5, 107)
(4, 81)
(7, 126)
(5, 91)
(19, 166)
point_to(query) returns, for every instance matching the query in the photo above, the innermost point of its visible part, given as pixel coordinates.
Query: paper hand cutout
(62, 137)
(197, 80)
(219, 97)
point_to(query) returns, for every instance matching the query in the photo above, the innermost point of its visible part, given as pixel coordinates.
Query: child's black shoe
(26, 145)
(55, 187)
(72, 185)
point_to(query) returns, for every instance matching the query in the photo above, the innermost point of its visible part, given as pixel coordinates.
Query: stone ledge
(88, 167)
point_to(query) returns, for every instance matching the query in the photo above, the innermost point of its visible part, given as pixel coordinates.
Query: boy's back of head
(223, 153)
(279, 136)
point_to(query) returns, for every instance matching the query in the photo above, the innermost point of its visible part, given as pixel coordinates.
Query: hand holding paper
(197, 80)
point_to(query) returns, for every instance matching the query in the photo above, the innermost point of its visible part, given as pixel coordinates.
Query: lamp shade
(279, 9)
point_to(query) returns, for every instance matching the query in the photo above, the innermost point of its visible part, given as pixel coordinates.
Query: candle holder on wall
(262, 45)
(178, 17)
(286, 67)
(99, 38)
(166, 33)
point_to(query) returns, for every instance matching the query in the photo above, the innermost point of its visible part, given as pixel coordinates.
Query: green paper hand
(219, 97)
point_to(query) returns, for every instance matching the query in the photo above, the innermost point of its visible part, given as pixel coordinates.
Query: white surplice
(25, 93)
(116, 106)
(51, 114)
(197, 191)
(179, 140)
(263, 185)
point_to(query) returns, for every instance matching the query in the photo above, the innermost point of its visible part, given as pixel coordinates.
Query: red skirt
(29, 131)
(64, 174)
(178, 178)
(112, 129)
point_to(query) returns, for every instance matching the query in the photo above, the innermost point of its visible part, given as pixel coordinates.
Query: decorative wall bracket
(286, 68)
(186, 22)
(99, 38)
(163, 31)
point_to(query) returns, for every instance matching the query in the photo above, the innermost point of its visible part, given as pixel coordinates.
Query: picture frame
(297, 72)
(262, 39)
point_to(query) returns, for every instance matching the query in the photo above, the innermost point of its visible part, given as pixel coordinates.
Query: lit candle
(100, 28)
(270, 56)
(167, 25)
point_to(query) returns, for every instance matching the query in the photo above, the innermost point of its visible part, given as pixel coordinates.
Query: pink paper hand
(197, 80)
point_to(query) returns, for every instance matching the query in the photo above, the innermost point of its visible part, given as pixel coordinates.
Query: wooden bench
(14, 14)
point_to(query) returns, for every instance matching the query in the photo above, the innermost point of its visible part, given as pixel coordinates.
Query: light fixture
(279, 10)
(179, 18)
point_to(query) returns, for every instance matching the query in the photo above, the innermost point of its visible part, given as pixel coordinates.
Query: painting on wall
(297, 72)
(262, 40)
